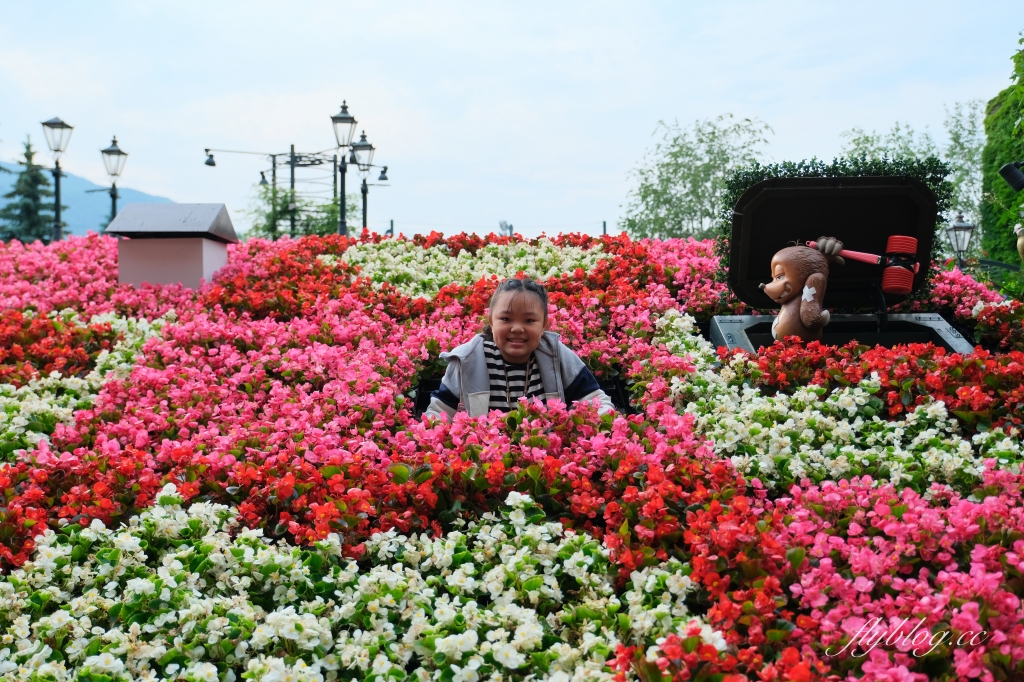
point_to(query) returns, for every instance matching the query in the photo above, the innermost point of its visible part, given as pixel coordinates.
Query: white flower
(515, 499)
(507, 656)
(140, 586)
(205, 672)
(105, 663)
(381, 665)
(467, 673)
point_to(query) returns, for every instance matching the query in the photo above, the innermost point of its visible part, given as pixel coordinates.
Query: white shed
(169, 243)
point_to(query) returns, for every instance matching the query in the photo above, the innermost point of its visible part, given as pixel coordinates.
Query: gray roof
(150, 221)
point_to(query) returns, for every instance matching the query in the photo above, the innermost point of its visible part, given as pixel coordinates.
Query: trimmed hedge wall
(1000, 212)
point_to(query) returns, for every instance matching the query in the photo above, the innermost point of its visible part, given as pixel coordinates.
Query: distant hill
(84, 211)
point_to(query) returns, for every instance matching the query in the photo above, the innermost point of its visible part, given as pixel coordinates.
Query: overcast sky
(529, 112)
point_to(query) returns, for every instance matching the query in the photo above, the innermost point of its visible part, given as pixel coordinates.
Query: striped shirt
(511, 378)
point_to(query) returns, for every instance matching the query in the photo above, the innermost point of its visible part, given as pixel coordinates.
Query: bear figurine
(799, 279)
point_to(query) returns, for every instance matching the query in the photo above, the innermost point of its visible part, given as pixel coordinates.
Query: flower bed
(233, 483)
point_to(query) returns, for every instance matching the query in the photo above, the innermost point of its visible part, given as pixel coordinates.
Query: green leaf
(796, 557)
(533, 583)
(399, 473)
(423, 474)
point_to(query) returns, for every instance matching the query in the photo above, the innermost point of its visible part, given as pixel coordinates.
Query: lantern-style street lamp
(959, 235)
(58, 134)
(344, 126)
(114, 159)
(363, 151)
(360, 154)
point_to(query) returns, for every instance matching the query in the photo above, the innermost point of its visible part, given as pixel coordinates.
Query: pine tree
(27, 215)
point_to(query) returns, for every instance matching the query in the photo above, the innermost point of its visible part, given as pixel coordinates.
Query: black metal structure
(862, 212)
(295, 160)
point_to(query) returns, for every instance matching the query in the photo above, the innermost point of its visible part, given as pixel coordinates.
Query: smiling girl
(514, 357)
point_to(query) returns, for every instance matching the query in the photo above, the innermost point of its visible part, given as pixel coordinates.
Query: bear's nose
(763, 285)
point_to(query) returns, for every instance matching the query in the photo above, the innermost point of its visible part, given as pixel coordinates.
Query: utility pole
(365, 190)
(334, 162)
(604, 227)
(113, 201)
(342, 171)
(58, 231)
(273, 197)
(291, 198)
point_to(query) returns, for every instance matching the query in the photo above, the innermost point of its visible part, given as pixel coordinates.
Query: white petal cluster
(421, 272)
(187, 594)
(29, 414)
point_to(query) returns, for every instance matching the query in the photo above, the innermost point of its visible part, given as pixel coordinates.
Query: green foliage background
(28, 216)
(1005, 143)
(681, 181)
(272, 218)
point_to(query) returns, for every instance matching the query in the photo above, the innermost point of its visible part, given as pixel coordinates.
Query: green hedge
(931, 171)
(1000, 211)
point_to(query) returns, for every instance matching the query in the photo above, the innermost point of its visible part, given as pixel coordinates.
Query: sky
(534, 113)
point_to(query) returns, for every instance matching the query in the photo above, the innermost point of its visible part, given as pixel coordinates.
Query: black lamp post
(959, 235)
(363, 153)
(344, 129)
(114, 159)
(58, 134)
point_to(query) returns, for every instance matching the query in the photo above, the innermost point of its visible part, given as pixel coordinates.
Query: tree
(681, 182)
(962, 152)
(899, 143)
(966, 130)
(272, 217)
(27, 215)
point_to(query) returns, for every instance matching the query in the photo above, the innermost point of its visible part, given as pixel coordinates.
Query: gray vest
(558, 367)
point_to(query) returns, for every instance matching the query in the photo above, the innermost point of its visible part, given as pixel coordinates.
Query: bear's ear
(811, 300)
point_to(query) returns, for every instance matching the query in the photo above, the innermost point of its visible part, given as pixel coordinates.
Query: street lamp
(363, 151)
(362, 156)
(114, 159)
(959, 235)
(58, 134)
(344, 125)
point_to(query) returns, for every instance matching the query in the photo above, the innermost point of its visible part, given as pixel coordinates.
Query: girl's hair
(517, 286)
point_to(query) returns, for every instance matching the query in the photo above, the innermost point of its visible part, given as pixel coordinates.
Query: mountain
(85, 211)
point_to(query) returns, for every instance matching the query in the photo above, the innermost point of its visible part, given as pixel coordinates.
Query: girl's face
(517, 323)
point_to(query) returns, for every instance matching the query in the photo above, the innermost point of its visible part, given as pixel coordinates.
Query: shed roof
(154, 221)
